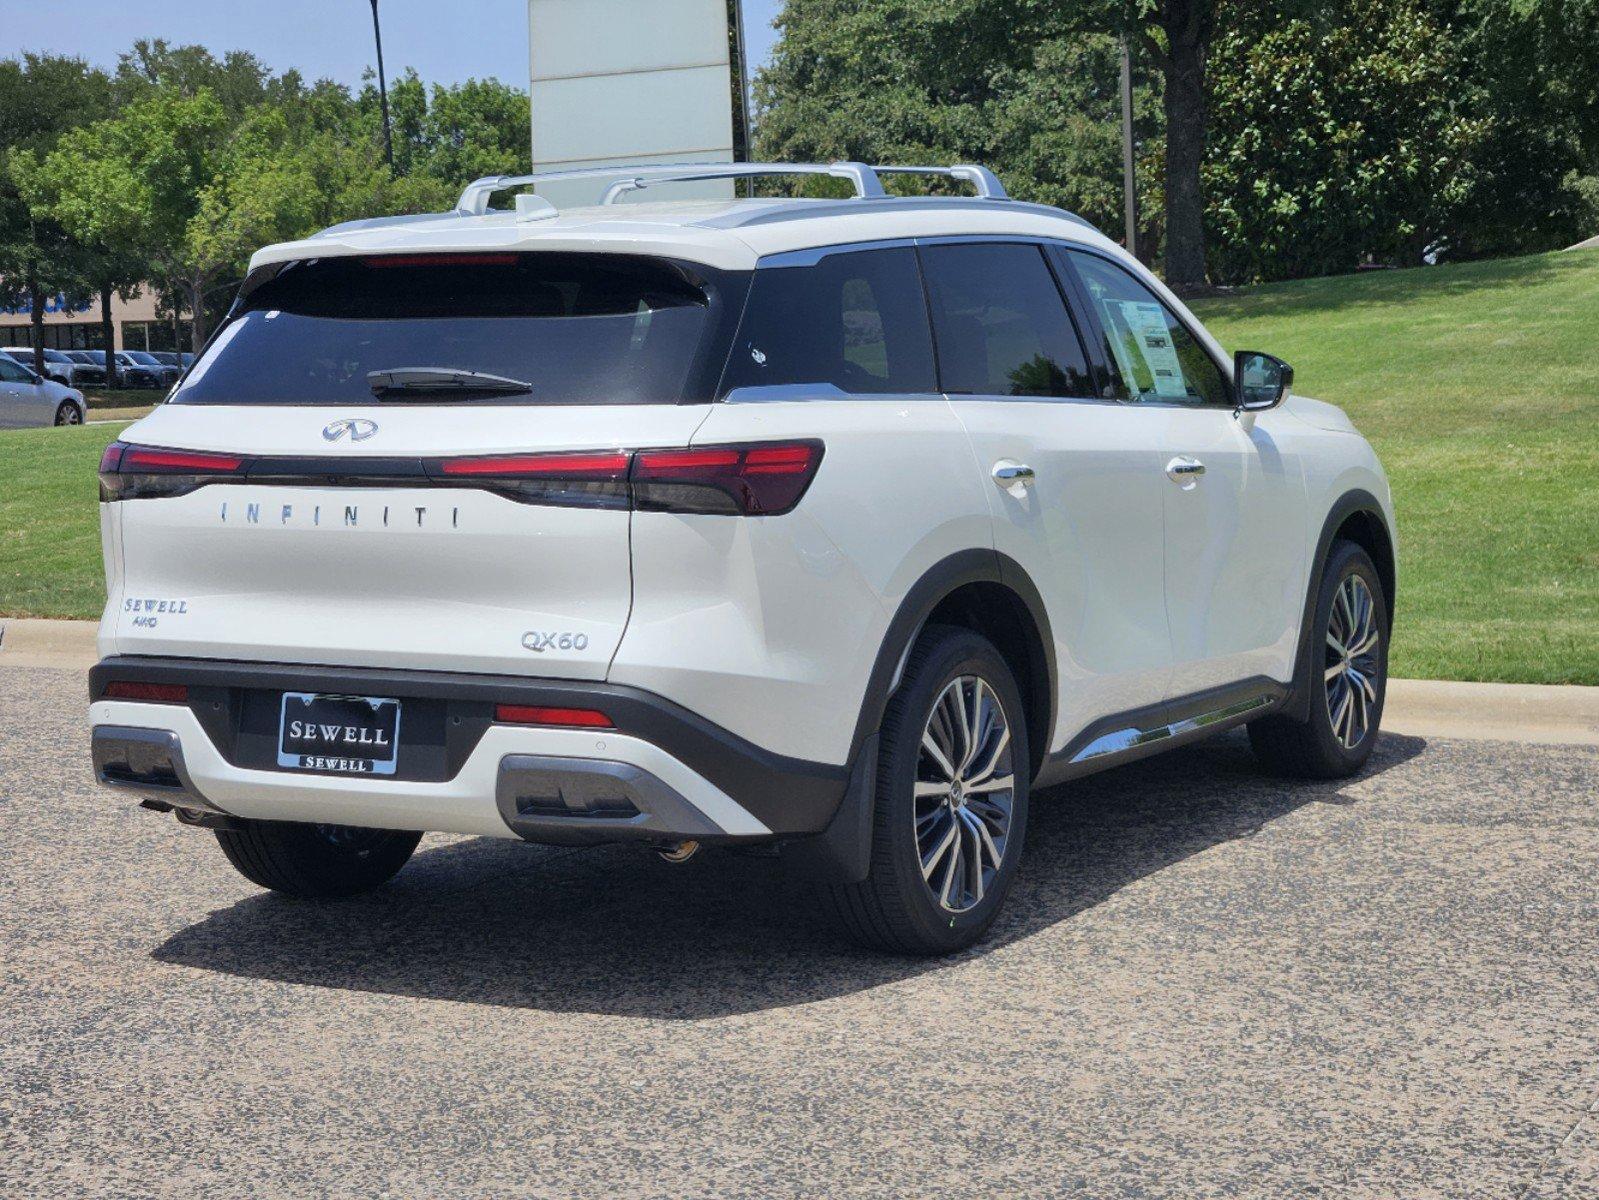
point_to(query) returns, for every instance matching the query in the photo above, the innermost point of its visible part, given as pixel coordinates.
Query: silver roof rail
(474, 201)
(984, 182)
(863, 177)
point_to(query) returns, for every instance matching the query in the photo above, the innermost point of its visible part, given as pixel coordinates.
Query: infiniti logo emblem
(359, 429)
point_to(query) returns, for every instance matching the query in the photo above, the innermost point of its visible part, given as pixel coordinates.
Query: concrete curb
(1504, 712)
(31, 642)
(1509, 712)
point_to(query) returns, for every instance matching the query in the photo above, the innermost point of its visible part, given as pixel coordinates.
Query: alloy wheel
(1352, 663)
(964, 793)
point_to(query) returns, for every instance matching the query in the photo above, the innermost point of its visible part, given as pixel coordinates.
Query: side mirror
(1260, 381)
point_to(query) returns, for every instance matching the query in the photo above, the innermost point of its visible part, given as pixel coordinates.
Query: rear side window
(1002, 326)
(856, 320)
(574, 328)
(1151, 356)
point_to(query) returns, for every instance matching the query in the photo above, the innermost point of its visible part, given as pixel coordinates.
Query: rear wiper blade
(446, 381)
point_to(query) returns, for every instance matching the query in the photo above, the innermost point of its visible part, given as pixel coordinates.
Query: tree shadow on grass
(615, 931)
(1329, 294)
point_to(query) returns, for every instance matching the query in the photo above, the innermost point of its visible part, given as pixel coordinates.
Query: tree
(41, 98)
(990, 81)
(1176, 36)
(135, 184)
(1336, 139)
(454, 134)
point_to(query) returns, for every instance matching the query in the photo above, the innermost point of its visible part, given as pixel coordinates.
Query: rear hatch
(410, 462)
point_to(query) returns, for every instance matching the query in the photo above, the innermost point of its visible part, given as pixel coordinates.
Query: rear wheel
(316, 862)
(67, 414)
(1347, 677)
(951, 805)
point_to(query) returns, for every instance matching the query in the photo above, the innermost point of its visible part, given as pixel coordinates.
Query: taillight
(597, 479)
(538, 714)
(767, 479)
(762, 479)
(150, 693)
(136, 472)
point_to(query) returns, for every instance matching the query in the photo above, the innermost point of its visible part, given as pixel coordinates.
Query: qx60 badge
(359, 429)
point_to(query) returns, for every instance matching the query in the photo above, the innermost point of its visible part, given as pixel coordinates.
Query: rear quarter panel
(770, 626)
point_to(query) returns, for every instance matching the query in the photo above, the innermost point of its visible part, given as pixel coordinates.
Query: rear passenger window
(856, 320)
(1151, 356)
(1002, 327)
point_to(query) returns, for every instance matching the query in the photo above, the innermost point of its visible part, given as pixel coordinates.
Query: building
(135, 324)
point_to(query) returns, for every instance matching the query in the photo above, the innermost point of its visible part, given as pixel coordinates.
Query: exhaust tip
(678, 852)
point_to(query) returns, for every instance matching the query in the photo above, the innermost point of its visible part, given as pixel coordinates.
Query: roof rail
(474, 201)
(984, 182)
(867, 185)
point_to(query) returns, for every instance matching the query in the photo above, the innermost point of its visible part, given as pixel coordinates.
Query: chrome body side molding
(1127, 737)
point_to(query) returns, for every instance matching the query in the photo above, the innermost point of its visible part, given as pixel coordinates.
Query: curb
(1504, 712)
(1500, 712)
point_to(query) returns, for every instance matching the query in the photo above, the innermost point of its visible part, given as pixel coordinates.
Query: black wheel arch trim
(936, 585)
(1356, 500)
(842, 854)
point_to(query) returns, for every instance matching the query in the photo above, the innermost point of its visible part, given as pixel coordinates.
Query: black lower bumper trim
(148, 761)
(234, 702)
(577, 802)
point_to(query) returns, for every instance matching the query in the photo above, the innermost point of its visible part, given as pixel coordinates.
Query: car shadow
(616, 931)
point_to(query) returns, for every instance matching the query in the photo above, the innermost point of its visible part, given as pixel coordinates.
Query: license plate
(347, 735)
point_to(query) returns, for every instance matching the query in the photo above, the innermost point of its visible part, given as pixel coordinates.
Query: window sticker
(1146, 323)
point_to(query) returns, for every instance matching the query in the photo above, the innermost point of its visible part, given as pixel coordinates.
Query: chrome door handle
(1012, 474)
(1183, 469)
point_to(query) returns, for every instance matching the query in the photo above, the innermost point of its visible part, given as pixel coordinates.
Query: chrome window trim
(814, 255)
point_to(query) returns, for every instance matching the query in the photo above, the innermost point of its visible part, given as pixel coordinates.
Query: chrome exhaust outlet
(678, 852)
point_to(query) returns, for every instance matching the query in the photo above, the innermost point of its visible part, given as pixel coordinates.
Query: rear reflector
(534, 714)
(150, 693)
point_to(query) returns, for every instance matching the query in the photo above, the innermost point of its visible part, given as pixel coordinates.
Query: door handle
(1183, 469)
(1012, 474)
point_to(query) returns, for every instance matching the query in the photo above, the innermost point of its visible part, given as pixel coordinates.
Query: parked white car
(27, 399)
(837, 527)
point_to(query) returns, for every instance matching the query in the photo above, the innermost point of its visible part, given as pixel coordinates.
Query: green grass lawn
(50, 521)
(1478, 384)
(122, 404)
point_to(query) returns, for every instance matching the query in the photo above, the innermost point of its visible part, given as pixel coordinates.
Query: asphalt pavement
(1207, 983)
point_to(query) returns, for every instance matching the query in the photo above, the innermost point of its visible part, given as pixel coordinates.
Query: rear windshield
(575, 328)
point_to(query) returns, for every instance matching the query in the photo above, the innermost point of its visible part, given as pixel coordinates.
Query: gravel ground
(1206, 984)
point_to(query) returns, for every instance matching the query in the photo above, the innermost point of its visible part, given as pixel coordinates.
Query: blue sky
(318, 37)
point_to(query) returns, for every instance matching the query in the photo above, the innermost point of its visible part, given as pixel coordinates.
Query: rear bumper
(662, 774)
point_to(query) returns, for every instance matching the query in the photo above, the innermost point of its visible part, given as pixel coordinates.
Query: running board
(1127, 737)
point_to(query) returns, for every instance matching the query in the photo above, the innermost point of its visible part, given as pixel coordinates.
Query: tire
(316, 862)
(895, 908)
(1316, 748)
(67, 414)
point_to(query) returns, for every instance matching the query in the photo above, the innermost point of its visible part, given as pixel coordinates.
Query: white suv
(830, 525)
